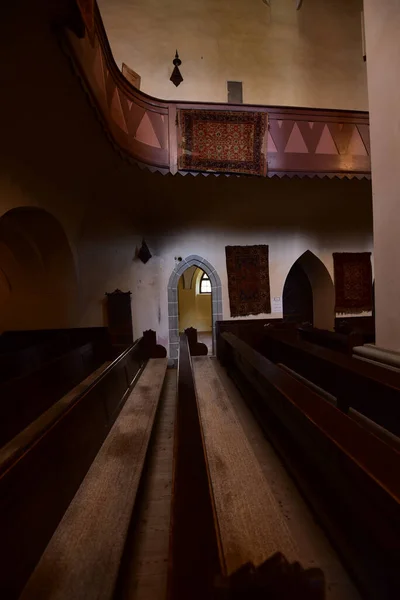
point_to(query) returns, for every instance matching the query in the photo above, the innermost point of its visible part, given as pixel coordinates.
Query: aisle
(144, 572)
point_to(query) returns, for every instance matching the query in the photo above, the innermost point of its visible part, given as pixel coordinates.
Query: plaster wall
(54, 156)
(311, 57)
(285, 249)
(382, 22)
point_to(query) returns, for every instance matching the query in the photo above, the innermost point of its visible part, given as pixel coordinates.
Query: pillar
(382, 29)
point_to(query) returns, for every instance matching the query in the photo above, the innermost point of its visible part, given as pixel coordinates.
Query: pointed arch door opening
(309, 294)
(211, 280)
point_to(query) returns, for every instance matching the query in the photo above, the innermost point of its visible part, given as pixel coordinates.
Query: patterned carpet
(353, 281)
(223, 141)
(248, 280)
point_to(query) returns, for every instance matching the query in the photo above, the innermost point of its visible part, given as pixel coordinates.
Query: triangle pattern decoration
(311, 124)
(281, 133)
(365, 136)
(311, 136)
(133, 114)
(98, 71)
(341, 134)
(326, 145)
(296, 143)
(271, 144)
(356, 145)
(116, 112)
(110, 87)
(159, 128)
(145, 133)
(89, 53)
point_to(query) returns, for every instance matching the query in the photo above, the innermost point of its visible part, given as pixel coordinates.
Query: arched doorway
(309, 290)
(195, 304)
(298, 296)
(173, 307)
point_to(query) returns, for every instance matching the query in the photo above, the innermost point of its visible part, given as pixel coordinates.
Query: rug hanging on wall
(222, 141)
(248, 280)
(353, 281)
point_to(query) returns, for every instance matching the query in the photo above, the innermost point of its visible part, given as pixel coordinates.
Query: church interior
(199, 328)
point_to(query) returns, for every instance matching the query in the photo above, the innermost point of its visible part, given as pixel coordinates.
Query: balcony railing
(299, 141)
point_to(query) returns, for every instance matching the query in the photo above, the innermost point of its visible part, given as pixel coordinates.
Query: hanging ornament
(176, 76)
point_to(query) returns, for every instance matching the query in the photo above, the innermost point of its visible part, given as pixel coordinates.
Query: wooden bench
(371, 426)
(221, 540)
(83, 556)
(250, 524)
(24, 398)
(39, 479)
(349, 475)
(340, 342)
(196, 348)
(24, 351)
(368, 388)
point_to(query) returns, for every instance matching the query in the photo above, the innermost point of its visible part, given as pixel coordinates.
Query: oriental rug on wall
(353, 281)
(222, 141)
(248, 280)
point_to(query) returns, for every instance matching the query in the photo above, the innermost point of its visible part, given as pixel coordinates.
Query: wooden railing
(300, 141)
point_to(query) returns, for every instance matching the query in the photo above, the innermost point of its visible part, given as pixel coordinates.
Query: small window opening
(205, 284)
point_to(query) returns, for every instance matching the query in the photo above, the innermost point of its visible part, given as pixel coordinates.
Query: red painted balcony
(296, 141)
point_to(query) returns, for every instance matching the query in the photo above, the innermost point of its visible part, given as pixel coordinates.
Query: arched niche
(311, 275)
(38, 279)
(173, 308)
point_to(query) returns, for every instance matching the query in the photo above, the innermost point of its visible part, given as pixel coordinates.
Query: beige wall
(55, 156)
(194, 308)
(311, 57)
(382, 22)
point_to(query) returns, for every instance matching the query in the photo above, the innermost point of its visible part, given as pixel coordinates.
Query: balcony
(298, 142)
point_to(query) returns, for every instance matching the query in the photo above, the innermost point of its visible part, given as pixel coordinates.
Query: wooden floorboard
(82, 559)
(314, 547)
(145, 570)
(251, 524)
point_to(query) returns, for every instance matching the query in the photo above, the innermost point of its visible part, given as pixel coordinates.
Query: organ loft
(199, 291)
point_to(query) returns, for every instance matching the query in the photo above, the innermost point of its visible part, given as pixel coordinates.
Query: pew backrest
(37, 487)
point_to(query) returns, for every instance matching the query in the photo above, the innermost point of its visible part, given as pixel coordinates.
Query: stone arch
(173, 311)
(38, 287)
(323, 290)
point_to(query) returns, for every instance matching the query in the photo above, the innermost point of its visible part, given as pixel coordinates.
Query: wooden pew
(82, 559)
(221, 546)
(24, 398)
(196, 348)
(250, 524)
(348, 475)
(340, 342)
(368, 388)
(251, 330)
(371, 426)
(39, 479)
(24, 351)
